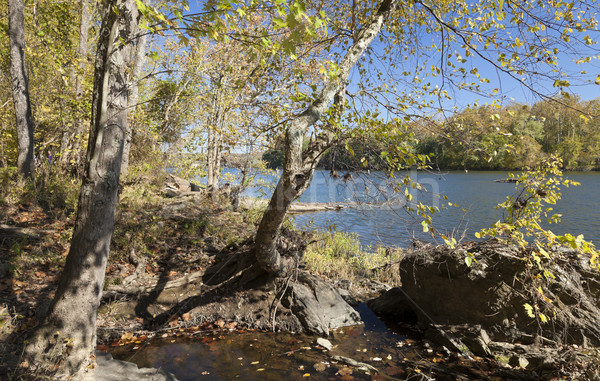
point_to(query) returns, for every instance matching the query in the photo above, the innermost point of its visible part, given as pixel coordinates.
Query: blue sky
(510, 90)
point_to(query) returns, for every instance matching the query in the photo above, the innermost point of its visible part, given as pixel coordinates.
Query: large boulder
(442, 291)
(176, 186)
(318, 305)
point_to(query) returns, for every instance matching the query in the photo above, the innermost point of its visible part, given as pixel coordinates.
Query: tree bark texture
(20, 89)
(72, 314)
(299, 168)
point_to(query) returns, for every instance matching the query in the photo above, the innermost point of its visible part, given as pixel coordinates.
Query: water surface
(379, 216)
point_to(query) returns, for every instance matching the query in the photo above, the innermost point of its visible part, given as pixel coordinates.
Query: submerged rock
(109, 369)
(324, 343)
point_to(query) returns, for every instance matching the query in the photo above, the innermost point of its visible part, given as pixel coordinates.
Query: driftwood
(296, 207)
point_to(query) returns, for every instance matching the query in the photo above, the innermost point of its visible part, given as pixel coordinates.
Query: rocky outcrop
(176, 186)
(465, 308)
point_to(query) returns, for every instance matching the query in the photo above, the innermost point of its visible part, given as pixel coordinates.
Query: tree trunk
(138, 64)
(20, 89)
(298, 170)
(72, 314)
(70, 144)
(213, 149)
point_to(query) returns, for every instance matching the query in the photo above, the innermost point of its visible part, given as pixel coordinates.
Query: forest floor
(163, 257)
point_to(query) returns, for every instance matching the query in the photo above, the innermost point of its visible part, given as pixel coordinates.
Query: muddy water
(279, 356)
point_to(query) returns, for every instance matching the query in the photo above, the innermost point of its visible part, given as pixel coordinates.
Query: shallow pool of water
(254, 355)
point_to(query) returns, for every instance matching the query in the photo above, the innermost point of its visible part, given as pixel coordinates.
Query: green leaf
(279, 23)
(468, 261)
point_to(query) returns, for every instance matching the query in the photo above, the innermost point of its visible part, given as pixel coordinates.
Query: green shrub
(339, 255)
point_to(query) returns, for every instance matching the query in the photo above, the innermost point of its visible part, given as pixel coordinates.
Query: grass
(338, 255)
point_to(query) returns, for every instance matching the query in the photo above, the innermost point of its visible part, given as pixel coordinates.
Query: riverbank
(164, 282)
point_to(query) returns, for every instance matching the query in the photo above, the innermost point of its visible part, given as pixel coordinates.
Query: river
(378, 215)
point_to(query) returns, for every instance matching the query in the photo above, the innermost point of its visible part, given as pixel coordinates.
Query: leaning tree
(406, 60)
(70, 324)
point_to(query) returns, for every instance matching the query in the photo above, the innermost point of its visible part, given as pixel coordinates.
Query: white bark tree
(20, 89)
(299, 166)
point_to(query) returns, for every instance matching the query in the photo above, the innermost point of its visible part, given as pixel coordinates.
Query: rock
(324, 343)
(393, 303)
(176, 186)
(348, 297)
(109, 369)
(517, 361)
(446, 339)
(478, 346)
(441, 290)
(318, 305)
(464, 339)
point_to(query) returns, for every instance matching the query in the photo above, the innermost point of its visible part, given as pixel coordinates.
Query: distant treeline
(487, 138)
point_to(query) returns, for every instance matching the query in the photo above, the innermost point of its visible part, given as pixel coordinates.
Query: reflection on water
(379, 217)
(275, 356)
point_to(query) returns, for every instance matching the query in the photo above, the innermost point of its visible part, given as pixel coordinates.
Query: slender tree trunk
(20, 89)
(134, 94)
(72, 314)
(298, 170)
(71, 140)
(82, 53)
(213, 148)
